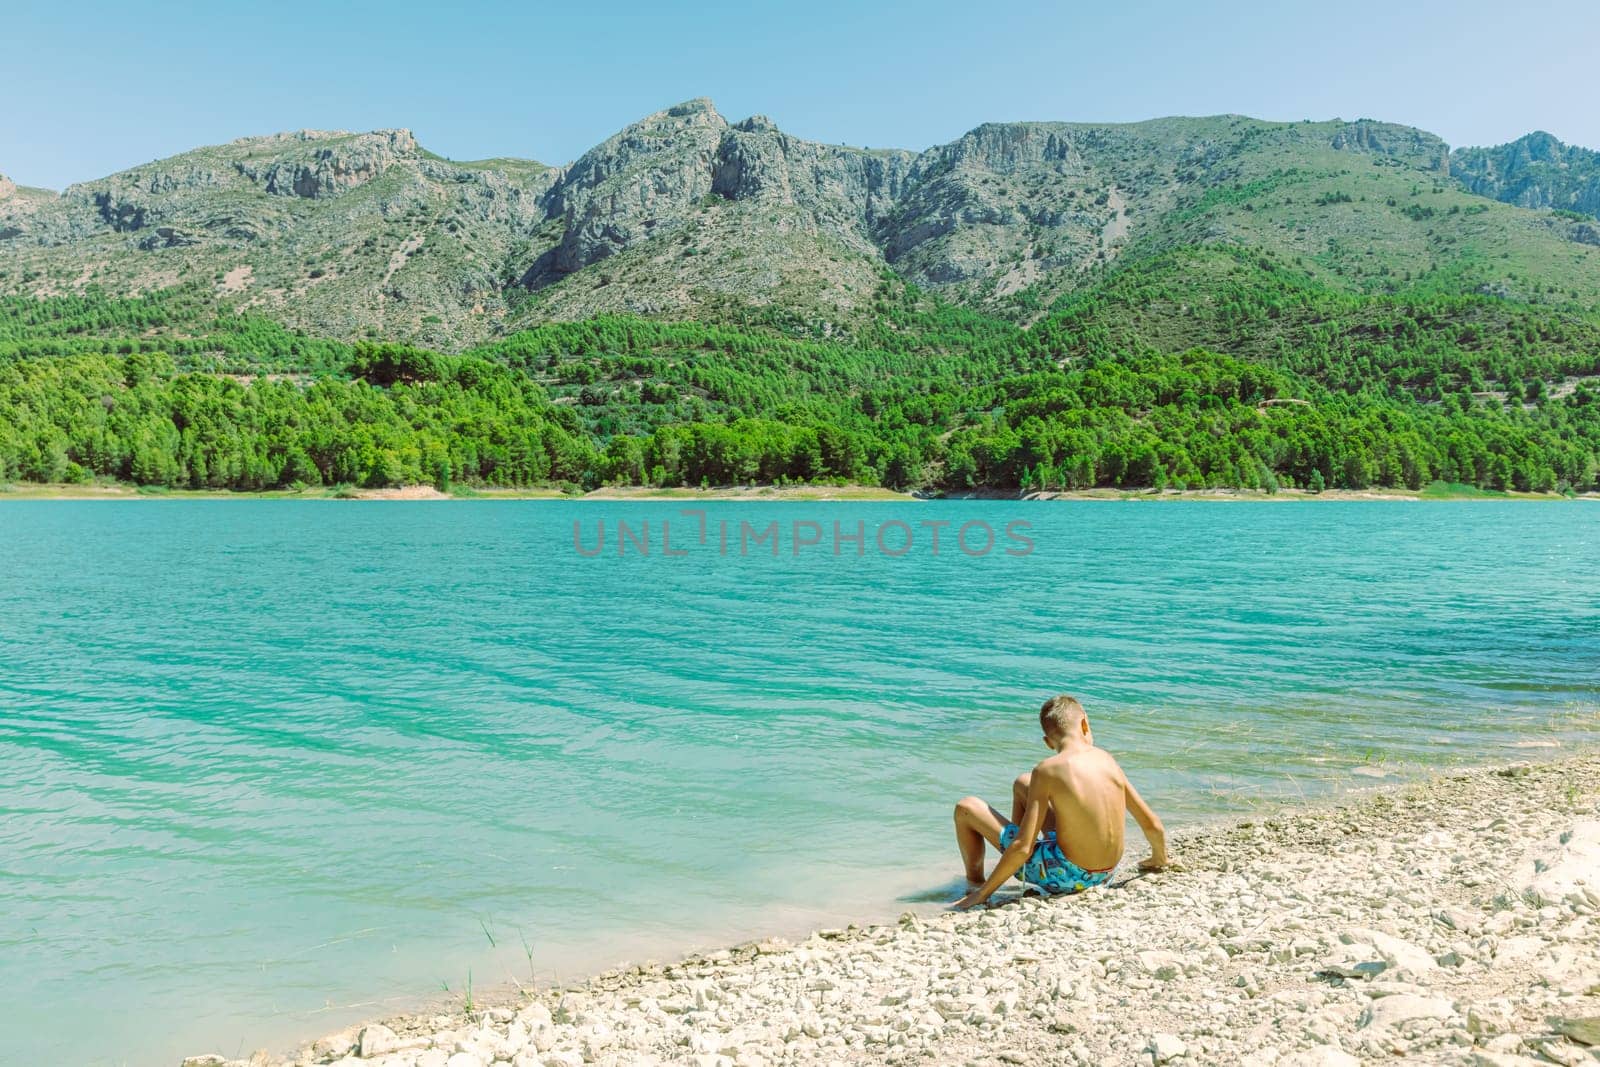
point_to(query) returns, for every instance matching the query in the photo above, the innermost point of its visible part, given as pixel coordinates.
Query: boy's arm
(1013, 858)
(1150, 823)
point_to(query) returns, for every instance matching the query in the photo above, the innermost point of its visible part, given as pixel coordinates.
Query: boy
(1078, 799)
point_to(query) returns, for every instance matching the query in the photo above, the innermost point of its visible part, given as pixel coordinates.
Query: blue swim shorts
(1048, 867)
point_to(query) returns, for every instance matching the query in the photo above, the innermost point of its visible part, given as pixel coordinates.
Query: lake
(268, 767)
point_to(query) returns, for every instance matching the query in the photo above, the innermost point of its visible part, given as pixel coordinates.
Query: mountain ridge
(684, 213)
(1213, 302)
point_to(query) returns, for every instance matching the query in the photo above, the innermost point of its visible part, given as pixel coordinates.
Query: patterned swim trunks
(1048, 867)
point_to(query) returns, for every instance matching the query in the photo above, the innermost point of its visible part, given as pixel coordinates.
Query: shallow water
(264, 764)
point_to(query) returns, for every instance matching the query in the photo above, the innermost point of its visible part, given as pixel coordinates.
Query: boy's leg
(1019, 796)
(1019, 802)
(976, 822)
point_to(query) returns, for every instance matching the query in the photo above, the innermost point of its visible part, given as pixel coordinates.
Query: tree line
(1263, 380)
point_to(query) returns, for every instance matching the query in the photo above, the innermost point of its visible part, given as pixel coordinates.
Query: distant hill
(1536, 171)
(686, 215)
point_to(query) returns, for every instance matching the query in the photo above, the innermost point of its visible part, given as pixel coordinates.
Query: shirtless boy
(1078, 799)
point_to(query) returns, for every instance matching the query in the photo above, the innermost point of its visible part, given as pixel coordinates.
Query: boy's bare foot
(971, 899)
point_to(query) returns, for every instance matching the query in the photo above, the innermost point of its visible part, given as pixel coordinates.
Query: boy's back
(1084, 789)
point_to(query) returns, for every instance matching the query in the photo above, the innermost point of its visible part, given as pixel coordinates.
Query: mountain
(685, 214)
(339, 233)
(1536, 171)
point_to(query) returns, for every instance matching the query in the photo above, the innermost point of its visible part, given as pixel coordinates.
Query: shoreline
(766, 493)
(1443, 920)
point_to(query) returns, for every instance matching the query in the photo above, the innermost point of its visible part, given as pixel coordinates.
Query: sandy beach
(1449, 921)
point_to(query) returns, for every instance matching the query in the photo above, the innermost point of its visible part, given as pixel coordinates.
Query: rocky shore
(1451, 921)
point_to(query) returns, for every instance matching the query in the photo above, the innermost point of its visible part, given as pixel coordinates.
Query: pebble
(376, 1040)
(1163, 965)
(1167, 1047)
(1322, 1056)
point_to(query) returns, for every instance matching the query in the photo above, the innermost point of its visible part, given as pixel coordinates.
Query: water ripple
(258, 755)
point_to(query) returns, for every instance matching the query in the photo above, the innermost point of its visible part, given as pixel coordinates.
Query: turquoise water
(267, 767)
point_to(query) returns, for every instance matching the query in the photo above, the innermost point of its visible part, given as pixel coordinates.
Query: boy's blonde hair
(1060, 715)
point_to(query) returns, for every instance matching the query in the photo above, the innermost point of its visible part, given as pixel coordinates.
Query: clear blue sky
(93, 87)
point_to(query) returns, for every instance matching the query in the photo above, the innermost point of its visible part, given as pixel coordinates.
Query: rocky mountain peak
(1537, 170)
(700, 105)
(7, 187)
(288, 139)
(618, 192)
(1006, 145)
(1404, 142)
(697, 112)
(1540, 145)
(325, 165)
(1530, 148)
(755, 124)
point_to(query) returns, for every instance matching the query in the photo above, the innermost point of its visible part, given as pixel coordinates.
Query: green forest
(1202, 368)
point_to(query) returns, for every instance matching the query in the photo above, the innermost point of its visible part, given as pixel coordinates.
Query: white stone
(335, 1045)
(1393, 1011)
(535, 1015)
(376, 1040)
(1321, 1056)
(1397, 953)
(1487, 1058)
(1489, 1018)
(1165, 1047)
(1512, 949)
(1353, 961)
(1567, 870)
(1161, 964)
